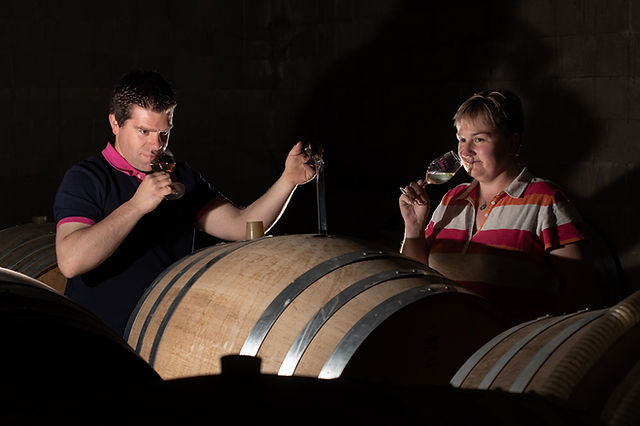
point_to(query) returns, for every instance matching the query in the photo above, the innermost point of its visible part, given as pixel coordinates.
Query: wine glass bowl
(164, 161)
(441, 169)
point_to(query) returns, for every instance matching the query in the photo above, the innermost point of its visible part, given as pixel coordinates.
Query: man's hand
(151, 192)
(296, 169)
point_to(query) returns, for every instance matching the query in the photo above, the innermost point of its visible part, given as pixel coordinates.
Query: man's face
(142, 135)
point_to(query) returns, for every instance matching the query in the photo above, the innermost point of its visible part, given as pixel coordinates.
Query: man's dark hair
(146, 89)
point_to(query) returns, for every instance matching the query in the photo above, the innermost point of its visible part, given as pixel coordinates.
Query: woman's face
(485, 151)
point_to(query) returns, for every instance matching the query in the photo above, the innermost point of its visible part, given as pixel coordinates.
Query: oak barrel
(31, 250)
(51, 345)
(309, 305)
(623, 406)
(583, 357)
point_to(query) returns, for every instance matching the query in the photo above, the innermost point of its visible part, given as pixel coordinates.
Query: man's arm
(81, 247)
(228, 222)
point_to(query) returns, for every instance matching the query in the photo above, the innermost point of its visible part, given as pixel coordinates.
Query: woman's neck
(491, 188)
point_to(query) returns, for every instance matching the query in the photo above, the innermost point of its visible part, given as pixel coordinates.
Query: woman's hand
(414, 207)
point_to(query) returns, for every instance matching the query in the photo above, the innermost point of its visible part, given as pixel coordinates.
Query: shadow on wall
(384, 110)
(618, 215)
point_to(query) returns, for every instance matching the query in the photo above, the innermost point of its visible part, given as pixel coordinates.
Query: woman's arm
(577, 281)
(415, 206)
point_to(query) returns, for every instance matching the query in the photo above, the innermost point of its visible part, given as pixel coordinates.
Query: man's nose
(160, 142)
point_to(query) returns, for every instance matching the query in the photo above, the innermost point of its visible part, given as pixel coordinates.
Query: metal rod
(320, 195)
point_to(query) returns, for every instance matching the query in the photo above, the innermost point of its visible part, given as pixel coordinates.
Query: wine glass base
(178, 191)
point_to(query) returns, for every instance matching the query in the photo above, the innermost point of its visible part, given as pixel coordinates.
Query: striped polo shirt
(505, 259)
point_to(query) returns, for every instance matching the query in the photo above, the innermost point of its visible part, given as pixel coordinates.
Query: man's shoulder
(90, 177)
(96, 160)
(95, 165)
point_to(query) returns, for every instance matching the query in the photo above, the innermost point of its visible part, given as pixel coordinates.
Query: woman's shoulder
(542, 186)
(459, 190)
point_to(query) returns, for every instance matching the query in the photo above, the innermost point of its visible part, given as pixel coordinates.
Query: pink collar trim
(119, 163)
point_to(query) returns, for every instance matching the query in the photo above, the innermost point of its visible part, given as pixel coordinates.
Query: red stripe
(452, 234)
(451, 197)
(543, 188)
(512, 239)
(75, 219)
(555, 237)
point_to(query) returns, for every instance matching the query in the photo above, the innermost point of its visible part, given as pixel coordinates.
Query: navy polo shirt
(94, 188)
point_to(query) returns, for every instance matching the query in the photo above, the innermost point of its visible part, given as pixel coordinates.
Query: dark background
(375, 82)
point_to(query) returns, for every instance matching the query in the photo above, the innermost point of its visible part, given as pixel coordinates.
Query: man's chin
(145, 169)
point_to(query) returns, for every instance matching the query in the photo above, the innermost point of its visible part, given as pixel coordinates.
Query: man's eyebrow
(154, 130)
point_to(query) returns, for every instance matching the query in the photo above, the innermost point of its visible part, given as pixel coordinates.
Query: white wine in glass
(165, 162)
(441, 169)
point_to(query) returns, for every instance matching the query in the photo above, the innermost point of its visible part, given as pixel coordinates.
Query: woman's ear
(514, 143)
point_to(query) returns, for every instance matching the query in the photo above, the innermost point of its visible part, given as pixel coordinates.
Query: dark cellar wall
(375, 82)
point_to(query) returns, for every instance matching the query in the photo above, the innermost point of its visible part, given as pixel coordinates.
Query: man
(115, 230)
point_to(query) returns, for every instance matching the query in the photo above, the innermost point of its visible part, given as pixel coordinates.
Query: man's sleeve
(77, 199)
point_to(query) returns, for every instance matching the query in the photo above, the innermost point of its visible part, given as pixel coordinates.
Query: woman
(508, 236)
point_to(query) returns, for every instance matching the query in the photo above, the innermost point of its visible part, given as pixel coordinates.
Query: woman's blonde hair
(500, 108)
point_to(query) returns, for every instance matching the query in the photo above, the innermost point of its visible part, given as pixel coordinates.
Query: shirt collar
(520, 183)
(119, 163)
(515, 189)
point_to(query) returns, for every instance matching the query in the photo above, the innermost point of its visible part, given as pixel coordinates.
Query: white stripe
(517, 217)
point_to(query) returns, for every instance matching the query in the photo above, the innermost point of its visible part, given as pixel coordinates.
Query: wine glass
(441, 169)
(314, 151)
(164, 161)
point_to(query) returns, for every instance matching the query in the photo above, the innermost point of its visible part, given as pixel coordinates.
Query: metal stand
(316, 159)
(320, 196)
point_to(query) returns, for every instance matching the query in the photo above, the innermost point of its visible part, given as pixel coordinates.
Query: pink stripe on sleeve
(561, 235)
(75, 219)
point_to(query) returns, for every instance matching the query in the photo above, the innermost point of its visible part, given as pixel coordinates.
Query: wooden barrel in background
(623, 406)
(51, 345)
(309, 305)
(31, 250)
(587, 357)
